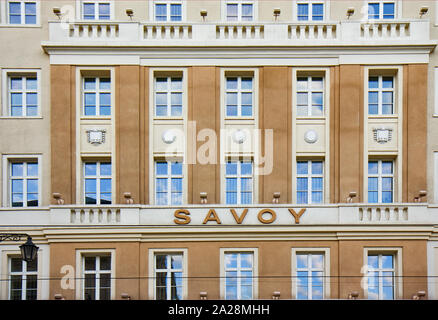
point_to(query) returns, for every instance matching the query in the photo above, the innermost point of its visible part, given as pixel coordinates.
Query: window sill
(21, 118)
(34, 26)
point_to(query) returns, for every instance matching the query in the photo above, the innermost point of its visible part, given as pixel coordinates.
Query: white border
(79, 7)
(326, 4)
(183, 10)
(435, 180)
(255, 7)
(4, 18)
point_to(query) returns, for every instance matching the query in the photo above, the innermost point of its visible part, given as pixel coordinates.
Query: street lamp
(28, 250)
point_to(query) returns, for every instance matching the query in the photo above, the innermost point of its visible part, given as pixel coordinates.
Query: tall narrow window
(168, 182)
(97, 277)
(97, 96)
(168, 96)
(239, 182)
(310, 96)
(381, 275)
(239, 274)
(240, 11)
(380, 181)
(23, 279)
(310, 11)
(96, 10)
(381, 10)
(23, 179)
(239, 96)
(168, 11)
(168, 276)
(380, 95)
(310, 274)
(97, 183)
(23, 95)
(22, 12)
(310, 181)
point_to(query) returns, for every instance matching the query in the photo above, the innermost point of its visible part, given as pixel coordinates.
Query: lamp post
(28, 249)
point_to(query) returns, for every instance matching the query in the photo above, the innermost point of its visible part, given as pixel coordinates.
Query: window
(96, 277)
(22, 279)
(381, 276)
(310, 11)
(168, 182)
(168, 96)
(23, 183)
(23, 95)
(381, 10)
(380, 181)
(22, 12)
(96, 10)
(239, 275)
(239, 96)
(310, 274)
(239, 11)
(310, 96)
(97, 183)
(310, 182)
(239, 182)
(168, 11)
(380, 95)
(168, 276)
(97, 96)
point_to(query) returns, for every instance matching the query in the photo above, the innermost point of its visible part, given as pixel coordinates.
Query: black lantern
(28, 250)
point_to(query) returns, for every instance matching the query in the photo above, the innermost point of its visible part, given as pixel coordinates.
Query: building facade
(227, 149)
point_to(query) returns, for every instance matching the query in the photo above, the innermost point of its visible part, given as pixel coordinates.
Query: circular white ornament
(239, 136)
(311, 136)
(168, 136)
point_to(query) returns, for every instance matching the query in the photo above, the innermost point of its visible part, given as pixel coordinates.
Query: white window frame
(7, 74)
(380, 90)
(169, 177)
(254, 252)
(326, 10)
(4, 7)
(151, 263)
(435, 183)
(309, 177)
(398, 264)
(80, 9)
(397, 9)
(379, 175)
(309, 92)
(239, 177)
(97, 91)
(7, 160)
(239, 3)
(169, 92)
(80, 270)
(24, 273)
(435, 112)
(239, 92)
(97, 177)
(310, 4)
(326, 270)
(168, 2)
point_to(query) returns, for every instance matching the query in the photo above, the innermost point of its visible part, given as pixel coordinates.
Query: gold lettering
(298, 215)
(240, 219)
(212, 216)
(183, 215)
(271, 212)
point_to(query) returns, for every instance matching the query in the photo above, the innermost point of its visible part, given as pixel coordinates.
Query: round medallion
(239, 136)
(168, 136)
(311, 136)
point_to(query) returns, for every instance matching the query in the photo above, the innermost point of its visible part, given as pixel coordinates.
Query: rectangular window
(97, 183)
(310, 182)
(381, 276)
(96, 96)
(168, 11)
(239, 96)
(380, 181)
(380, 95)
(22, 12)
(239, 275)
(168, 182)
(381, 10)
(23, 183)
(96, 10)
(310, 11)
(168, 97)
(23, 95)
(239, 182)
(168, 276)
(96, 277)
(239, 11)
(23, 276)
(310, 96)
(310, 274)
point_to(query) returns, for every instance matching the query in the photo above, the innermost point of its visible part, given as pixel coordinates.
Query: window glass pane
(302, 84)
(388, 10)
(232, 12)
(373, 82)
(161, 261)
(246, 84)
(231, 168)
(161, 84)
(387, 167)
(246, 260)
(302, 98)
(303, 11)
(175, 12)
(17, 169)
(32, 185)
(316, 167)
(90, 185)
(302, 260)
(247, 98)
(388, 82)
(246, 12)
(176, 261)
(90, 84)
(317, 11)
(317, 184)
(176, 185)
(231, 184)
(16, 99)
(317, 261)
(232, 83)
(30, 8)
(105, 263)
(302, 184)
(105, 169)
(160, 12)
(104, 11)
(387, 261)
(176, 168)
(246, 168)
(373, 10)
(373, 261)
(302, 167)
(372, 167)
(105, 185)
(16, 265)
(176, 84)
(90, 263)
(161, 168)
(90, 168)
(161, 185)
(231, 197)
